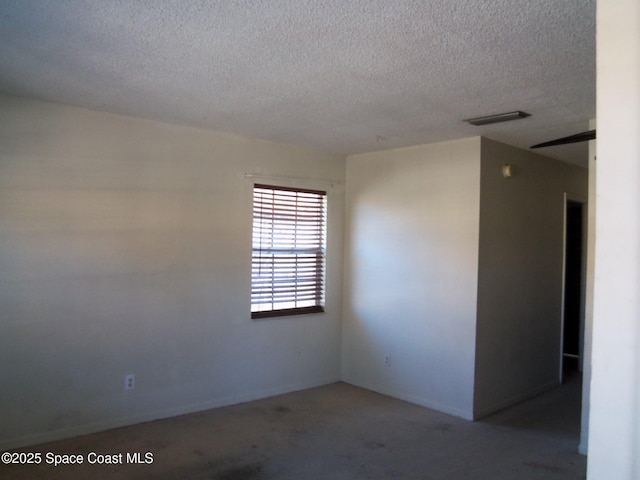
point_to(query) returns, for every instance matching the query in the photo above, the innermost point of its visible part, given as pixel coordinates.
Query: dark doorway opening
(573, 290)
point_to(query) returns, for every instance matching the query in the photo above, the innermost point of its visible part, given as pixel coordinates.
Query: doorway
(574, 289)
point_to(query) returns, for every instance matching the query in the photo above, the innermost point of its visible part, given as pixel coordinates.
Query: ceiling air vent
(500, 117)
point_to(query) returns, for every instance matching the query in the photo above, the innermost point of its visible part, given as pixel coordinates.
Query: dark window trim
(315, 309)
(285, 312)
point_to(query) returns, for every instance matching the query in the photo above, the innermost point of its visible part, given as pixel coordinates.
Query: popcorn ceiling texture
(342, 76)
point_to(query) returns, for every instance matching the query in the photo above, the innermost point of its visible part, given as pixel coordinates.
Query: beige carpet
(332, 433)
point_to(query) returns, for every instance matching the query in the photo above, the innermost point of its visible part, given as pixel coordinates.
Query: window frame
(306, 272)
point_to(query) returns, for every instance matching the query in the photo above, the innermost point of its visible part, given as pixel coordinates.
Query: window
(288, 262)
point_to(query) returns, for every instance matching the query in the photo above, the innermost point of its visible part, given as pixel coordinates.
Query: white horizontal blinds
(288, 251)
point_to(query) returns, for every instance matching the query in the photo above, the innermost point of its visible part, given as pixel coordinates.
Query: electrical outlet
(387, 360)
(129, 382)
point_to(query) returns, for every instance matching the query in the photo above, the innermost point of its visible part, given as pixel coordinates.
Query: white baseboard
(416, 400)
(37, 438)
(511, 401)
(583, 449)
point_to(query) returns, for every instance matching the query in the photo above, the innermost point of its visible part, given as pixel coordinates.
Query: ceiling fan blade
(578, 137)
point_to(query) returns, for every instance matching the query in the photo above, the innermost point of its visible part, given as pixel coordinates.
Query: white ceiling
(345, 76)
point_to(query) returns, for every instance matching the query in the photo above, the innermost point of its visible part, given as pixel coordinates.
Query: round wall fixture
(507, 170)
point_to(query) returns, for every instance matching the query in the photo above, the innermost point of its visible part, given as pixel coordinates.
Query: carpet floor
(333, 432)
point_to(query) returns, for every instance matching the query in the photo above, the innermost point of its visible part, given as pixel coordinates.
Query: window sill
(287, 312)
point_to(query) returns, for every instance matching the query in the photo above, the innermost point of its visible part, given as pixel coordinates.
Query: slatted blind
(288, 263)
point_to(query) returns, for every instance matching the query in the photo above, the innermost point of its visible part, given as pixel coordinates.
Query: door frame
(574, 198)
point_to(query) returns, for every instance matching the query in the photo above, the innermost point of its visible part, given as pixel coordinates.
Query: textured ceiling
(342, 76)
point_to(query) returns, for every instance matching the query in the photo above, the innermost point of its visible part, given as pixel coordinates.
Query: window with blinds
(288, 263)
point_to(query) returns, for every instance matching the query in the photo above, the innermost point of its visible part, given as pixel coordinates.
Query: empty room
(292, 239)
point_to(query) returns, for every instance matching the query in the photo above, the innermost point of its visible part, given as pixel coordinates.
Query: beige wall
(125, 248)
(614, 423)
(455, 273)
(411, 273)
(520, 274)
(590, 279)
